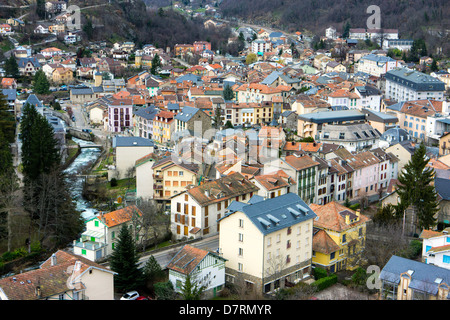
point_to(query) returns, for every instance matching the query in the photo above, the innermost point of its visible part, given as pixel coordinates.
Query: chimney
(347, 219)
(38, 292)
(53, 260)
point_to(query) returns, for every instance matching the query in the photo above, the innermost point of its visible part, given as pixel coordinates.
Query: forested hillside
(161, 27)
(412, 17)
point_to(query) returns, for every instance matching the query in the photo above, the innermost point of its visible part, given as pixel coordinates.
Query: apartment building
(195, 212)
(403, 84)
(339, 237)
(171, 178)
(268, 242)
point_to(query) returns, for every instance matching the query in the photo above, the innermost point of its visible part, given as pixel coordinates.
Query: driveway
(341, 292)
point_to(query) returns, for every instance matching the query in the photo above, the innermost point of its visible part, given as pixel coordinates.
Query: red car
(143, 298)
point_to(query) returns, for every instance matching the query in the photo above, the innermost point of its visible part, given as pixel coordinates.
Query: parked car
(143, 298)
(132, 295)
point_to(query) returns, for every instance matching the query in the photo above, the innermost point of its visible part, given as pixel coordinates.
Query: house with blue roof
(28, 66)
(128, 150)
(267, 242)
(405, 279)
(376, 65)
(144, 121)
(191, 121)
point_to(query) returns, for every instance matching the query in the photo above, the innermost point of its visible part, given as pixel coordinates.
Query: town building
(267, 243)
(195, 212)
(339, 237)
(403, 84)
(205, 269)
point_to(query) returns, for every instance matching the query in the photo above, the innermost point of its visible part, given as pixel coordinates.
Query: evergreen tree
(11, 67)
(346, 32)
(88, 28)
(416, 188)
(8, 187)
(40, 8)
(228, 93)
(156, 64)
(41, 84)
(434, 66)
(40, 151)
(152, 272)
(190, 290)
(124, 261)
(217, 120)
(7, 121)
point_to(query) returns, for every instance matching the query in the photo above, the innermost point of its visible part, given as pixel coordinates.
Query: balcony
(88, 245)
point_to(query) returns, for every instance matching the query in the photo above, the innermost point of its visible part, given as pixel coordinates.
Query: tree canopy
(416, 188)
(124, 261)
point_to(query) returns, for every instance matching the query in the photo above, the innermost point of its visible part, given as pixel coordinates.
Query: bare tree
(153, 224)
(383, 241)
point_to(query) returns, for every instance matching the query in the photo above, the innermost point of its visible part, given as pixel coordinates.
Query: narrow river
(87, 157)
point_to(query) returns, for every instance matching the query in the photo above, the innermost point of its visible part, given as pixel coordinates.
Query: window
(344, 238)
(446, 259)
(332, 255)
(241, 237)
(96, 223)
(240, 267)
(241, 252)
(241, 223)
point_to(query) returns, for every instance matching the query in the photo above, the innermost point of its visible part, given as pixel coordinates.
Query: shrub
(415, 248)
(113, 182)
(324, 283)
(7, 256)
(319, 273)
(164, 290)
(359, 277)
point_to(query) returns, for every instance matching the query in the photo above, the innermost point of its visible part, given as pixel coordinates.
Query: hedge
(320, 273)
(325, 282)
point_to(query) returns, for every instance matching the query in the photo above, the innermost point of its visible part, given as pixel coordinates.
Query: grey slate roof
(33, 100)
(147, 113)
(186, 114)
(120, 141)
(10, 94)
(395, 135)
(277, 213)
(442, 187)
(424, 277)
(415, 80)
(331, 116)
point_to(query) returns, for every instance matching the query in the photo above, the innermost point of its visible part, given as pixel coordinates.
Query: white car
(132, 295)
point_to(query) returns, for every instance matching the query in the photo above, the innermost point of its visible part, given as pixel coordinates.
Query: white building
(403, 84)
(204, 268)
(128, 150)
(436, 248)
(330, 33)
(260, 46)
(376, 65)
(268, 242)
(101, 233)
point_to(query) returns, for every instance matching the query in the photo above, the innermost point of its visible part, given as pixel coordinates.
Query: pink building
(200, 46)
(120, 115)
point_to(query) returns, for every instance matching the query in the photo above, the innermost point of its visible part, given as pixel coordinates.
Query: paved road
(163, 257)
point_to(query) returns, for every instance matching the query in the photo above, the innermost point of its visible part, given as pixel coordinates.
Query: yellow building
(171, 178)
(56, 28)
(163, 126)
(339, 237)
